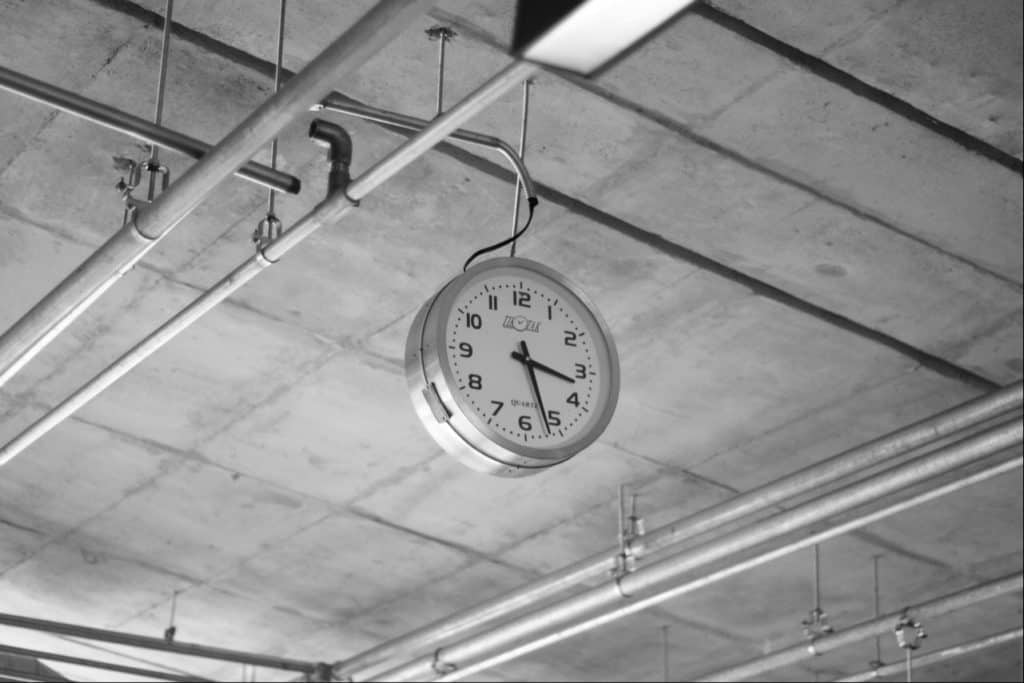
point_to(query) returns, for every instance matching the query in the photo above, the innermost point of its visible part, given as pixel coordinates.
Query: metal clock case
(485, 395)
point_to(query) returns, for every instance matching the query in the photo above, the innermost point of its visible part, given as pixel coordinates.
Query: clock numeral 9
(473, 321)
(524, 423)
(476, 382)
(570, 338)
(554, 418)
(521, 299)
(466, 350)
(581, 371)
(573, 400)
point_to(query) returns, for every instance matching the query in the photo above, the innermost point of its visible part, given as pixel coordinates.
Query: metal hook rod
(878, 639)
(442, 39)
(910, 666)
(817, 580)
(664, 637)
(161, 86)
(277, 85)
(522, 148)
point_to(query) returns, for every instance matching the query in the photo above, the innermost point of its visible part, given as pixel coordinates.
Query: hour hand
(540, 366)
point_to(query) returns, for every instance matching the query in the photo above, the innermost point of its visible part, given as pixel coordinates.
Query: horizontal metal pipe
(329, 211)
(96, 664)
(147, 643)
(658, 596)
(669, 569)
(341, 105)
(931, 658)
(380, 25)
(810, 478)
(136, 127)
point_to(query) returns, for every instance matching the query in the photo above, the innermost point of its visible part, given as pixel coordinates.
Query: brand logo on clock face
(521, 323)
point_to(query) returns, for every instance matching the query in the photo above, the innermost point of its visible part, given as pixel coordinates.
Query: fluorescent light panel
(597, 31)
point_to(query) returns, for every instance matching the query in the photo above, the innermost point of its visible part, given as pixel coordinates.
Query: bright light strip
(598, 30)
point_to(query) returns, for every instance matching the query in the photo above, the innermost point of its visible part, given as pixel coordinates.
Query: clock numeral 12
(521, 299)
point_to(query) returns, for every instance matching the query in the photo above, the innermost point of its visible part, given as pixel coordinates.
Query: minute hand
(540, 366)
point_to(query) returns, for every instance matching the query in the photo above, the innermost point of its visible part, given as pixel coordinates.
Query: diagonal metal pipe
(136, 127)
(37, 328)
(97, 664)
(877, 626)
(810, 478)
(327, 212)
(932, 658)
(560, 633)
(578, 610)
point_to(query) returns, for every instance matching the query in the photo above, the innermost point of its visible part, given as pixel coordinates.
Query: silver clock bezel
(456, 427)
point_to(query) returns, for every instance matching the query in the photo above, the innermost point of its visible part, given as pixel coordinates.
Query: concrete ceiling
(801, 219)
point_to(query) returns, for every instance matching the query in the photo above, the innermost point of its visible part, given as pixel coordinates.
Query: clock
(511, 369)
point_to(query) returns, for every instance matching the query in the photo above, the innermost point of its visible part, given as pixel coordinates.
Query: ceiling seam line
(847, 81)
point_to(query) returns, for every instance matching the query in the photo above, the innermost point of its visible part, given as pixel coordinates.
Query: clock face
(525, 368)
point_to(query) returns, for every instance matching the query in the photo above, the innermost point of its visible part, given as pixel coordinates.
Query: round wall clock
(511, 369)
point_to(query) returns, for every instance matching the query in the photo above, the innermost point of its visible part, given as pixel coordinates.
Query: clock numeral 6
(466, 350)
(554, 418)
(476, 382)
(524, 423)
(573, 399)
(473, 321)
(521, 298)
(581, 371)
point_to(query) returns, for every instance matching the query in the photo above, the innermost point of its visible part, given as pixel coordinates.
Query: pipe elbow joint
(338, 143)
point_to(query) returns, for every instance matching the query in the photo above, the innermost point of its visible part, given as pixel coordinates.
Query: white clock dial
(511, 369)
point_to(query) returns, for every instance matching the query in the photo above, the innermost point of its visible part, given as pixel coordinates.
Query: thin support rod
(910, 666)
(96, 664)
(868, 455)
(161, 87)
(329, 211)
(277, 86)
(817, 578)
(877, 611)
(147, 643)
(443, 40)
(802, 651)
(133, 126)
(27, 337)
(522, 155)
(666, 572)
(939, 657)
(665, 653)
(388, 118)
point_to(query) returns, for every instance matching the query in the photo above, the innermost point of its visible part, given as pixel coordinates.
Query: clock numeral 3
(581, 371)
(476, 382)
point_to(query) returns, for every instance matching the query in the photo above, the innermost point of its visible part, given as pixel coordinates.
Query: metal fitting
(339, 151)
(440, 667)
(816, 624)
(909, 641)
(267, 230)
(443, 33)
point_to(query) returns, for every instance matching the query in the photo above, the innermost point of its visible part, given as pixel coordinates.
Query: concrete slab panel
(494, 513)
(857, 151)
(996, 352)
(690, 70)
(833, 427)
(437, 599)
(341, 431)
(110, 588)
(683, 415)
(960, 62)
(74, 473)
(342, 566)
(210, 519)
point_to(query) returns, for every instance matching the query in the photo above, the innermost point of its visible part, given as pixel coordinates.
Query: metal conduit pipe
(138, 128)
(925, 431)
(635, 605)
(29, 335)
(96, 664)
(657, 575)
(920, 661)
(329, 211)
(147, 643)
(337, 103)
(878, 626)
